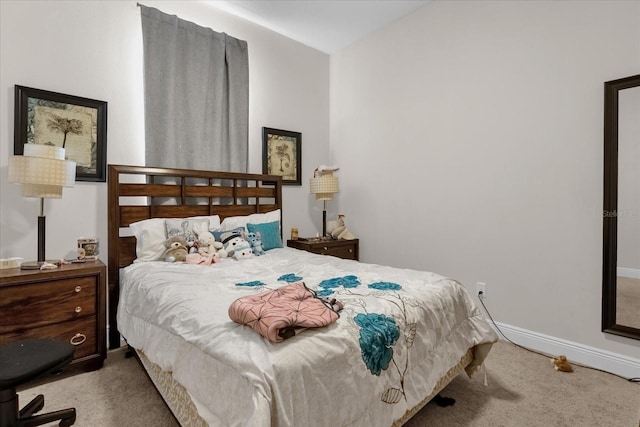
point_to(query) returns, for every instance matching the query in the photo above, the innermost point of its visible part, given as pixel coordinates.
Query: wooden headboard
(137, 193)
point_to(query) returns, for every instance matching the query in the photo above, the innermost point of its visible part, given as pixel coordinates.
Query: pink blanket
(196, 258)
(281, 313)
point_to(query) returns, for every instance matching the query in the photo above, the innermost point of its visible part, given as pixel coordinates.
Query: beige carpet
(523, 391)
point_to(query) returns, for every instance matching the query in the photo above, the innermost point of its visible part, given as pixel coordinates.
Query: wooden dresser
(346, 249)
(68, 303)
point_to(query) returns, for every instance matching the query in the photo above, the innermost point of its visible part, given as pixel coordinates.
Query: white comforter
(381, 358)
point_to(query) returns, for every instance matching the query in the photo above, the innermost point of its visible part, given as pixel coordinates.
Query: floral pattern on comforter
(378, 334)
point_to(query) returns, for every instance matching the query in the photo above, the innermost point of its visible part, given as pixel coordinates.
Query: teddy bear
(176, 249)
(206, 243)
(561, 364)
(255, 241)
(338, 230)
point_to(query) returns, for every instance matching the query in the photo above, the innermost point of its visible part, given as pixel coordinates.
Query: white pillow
(150, 236)
(232, 222)
(185, 228)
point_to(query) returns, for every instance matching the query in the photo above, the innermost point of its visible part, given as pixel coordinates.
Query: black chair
(21, 362)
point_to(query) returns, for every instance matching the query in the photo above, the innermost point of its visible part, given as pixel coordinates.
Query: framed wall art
(79, 125)
(282, 155)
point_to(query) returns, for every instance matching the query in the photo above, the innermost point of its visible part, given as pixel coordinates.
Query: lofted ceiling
(326, 25)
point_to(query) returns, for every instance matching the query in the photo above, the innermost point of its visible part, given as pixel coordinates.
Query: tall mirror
(621, 214)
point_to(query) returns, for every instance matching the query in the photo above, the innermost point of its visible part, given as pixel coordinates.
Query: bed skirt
(178, 400)
(442, 383)
(173, 393)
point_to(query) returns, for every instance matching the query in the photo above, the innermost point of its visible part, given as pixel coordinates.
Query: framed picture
(282, 155)
(79, 125)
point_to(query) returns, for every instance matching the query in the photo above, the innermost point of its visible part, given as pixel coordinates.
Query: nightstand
(68, 303)
(346, 249)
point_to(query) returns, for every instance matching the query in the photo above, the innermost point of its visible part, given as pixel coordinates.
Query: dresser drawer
(345, 252)
(67, 303)
(40, 304)
(80, 332)
(346, 249)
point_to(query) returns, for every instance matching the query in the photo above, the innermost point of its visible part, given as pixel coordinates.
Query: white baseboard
(631, 273)
(624, 366)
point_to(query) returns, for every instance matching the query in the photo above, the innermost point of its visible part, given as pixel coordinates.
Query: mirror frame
(610, 204)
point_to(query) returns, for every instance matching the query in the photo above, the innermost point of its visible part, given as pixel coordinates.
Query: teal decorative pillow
(270, 233)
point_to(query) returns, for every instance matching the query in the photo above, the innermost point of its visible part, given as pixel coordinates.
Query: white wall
(470, 140)
(93, 49)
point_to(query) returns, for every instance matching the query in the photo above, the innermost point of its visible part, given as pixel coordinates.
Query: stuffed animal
(176, 249)
(242, 250)
(233, 242)
(228, 240)
(561, 364)
(206, 243)
(255, 241)
(338, 230)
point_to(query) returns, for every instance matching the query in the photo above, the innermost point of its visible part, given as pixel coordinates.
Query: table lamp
(323, 184)
(43, 171)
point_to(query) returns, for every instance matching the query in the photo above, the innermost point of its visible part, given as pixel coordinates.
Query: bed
(401, 335)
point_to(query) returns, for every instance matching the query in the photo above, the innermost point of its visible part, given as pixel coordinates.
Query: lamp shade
(42, 171)
(324, 186)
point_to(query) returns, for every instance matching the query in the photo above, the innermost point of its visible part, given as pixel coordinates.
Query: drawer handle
(78, 288)
(326, 248)
(78, 339)
(78, 309)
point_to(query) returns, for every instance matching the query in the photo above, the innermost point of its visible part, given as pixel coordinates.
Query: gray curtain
(196, 91)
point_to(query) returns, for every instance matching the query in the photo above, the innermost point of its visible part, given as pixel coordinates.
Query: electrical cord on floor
(633, 380)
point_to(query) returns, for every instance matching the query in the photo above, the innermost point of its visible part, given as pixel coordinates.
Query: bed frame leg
(129, 353)
(443, 401)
